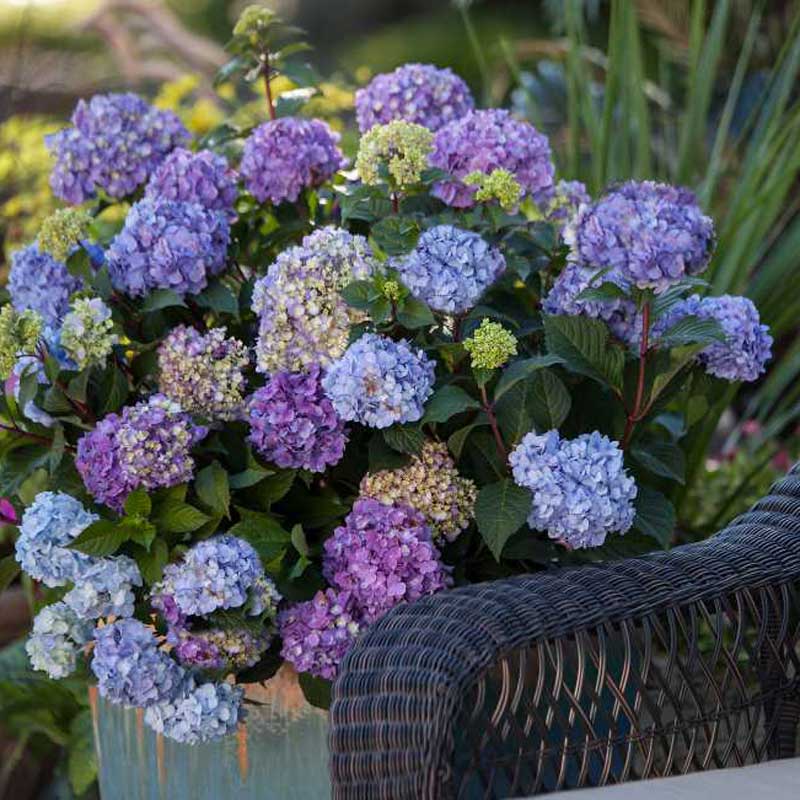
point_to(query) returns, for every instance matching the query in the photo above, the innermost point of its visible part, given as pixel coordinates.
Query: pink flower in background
(8, 514)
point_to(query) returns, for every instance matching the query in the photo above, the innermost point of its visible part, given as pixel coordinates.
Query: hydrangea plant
(281, 397)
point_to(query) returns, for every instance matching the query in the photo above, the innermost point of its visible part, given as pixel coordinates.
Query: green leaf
(404, 438)
(605, 291)
(152, 562)
(101, 538)
(81, 756)
(262, 531)
(138, 530)
(219, 298)
(661, 458)
(273, 488)
(692, 330)
(395, 235)
(447, 402)
(229, 69)
(584, 345)
(513, 412)
(299, 540)
(500, 511)
(211, 486)
(360, 294)
(549, 400)
(114, 388)
(655, 515)
(249, 477)
(382, 457)
(178, 517)
(521, 369)
(458, 439)
(367, 203)
(413, 314)
(316, 690)
(137, 503)
(162, 298)
(9, 569)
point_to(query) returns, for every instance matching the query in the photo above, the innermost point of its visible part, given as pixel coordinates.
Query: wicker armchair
(672, 663)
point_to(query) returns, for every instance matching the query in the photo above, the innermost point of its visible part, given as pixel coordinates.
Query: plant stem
(34, 436)
(635, 414)
(477, 51)
(498, 439)
(270, 104)
(395, 203)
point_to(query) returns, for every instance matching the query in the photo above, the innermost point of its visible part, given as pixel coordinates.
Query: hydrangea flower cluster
(87, 333)
(38, 282)
(651, 234)
(581, 490)
(203, 372)
(293, 423)
(565, 201)
(204, 178)
(498, 185)
(747, 346)
(114, 144)
(379, 382)
(450, 268)
(62, 230)
(303, 318)
(19, 336)
(401, 147)
(419, 93)
(105, 588)
(490, 346)
(318, 633)
(147, 445)
(486, 140)
(284, 156)
(220, 649)
(168, 245)
(56, 640)
(431, 485)
(383, 555)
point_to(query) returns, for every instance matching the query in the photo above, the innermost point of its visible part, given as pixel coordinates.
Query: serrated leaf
(447, 402)
(500, 511)
(691, 330)
(114, 389)
(299, 542)
(513, 412)
(404, 438)
(211, 486)
(395, 235)
(249, 477)
(367, 203)
(177, 517)
(382, 457)
(263, 532)
(9, 569)
(152, 562)
(605, 291)
(458, 439)
(219, 298)
(162, 298)
(101, 538)
(138, 503)
(523, 368)
(661, 458)
(274, 487)
(549, 400)
(413, 314)
(360, 294)
(655, 515)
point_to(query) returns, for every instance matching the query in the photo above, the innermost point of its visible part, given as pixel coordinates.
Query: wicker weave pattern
(659, 665)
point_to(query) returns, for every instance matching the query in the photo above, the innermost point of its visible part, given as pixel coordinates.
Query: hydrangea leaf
(549, 400)
(447, 402)
(500, 511)
(661, 458)
(522, 369)
(655, 515)
(211, 485)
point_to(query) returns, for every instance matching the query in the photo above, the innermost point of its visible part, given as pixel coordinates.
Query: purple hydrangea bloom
(146, 445)
(419, 93)
(48, 525)
(168, 245)
(483, 141)
(318, 633)
(379, 382)
(450, 268)
(130, 668)
(198, 713)
(581, 491)
(384, 556)
(204, 178)
(284, 156)
(39, 282)
(116, 142)
(565, 201)
(747, 346)
(651, 234)
(218, 648)
(293, 423)
(215, 573)
(105, 588)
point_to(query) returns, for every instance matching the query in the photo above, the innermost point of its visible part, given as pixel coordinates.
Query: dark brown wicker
(676, 662)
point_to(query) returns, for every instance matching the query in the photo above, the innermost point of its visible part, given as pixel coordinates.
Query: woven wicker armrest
(671, 663)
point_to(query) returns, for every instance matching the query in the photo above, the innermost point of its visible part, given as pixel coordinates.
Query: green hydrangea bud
(87, 334)
(19, 334)
(499, 184)
(392, 290)
(254, 22)
(491, 345)
(62, 230)
(402, 147)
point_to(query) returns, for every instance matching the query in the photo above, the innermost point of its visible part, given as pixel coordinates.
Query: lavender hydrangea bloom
(304, 320)
(48, 525)
(56, 640)
(420, 93)
(116, 141)
(168, 245)
(651, 234)
(146, 445)
(384, 556)
(198, 713)
(483, 141)
(204, 178)
(581, 491)
(748, 345)
(379, 382)
(450, 268)
(293, 423)
(39, 282)
(218, 648)
(284, 156)
(130, 668)
(317, 634)
(215, 573)
(105, 588)
(565, 201)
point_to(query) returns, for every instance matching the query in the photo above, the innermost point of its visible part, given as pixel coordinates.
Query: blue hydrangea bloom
(379, 382)
(450, 268)
(651, 234)
(130, 668)
(581, 491)
(39, 282)
(215, 573)
(105, 588)
(747, 347)
(168, 245)
(198, 713)
(48, 525)
(56, 640)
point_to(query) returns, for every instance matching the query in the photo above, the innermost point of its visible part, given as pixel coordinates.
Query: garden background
(701, 94)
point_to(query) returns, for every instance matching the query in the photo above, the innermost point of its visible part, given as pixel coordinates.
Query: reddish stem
(498, 439)
(35, 436)
(635, 414)
(395, 203)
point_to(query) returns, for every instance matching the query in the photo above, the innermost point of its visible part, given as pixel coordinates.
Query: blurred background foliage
(699, 92)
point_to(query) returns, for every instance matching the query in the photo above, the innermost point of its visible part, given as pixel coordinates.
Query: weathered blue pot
(280, 753)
